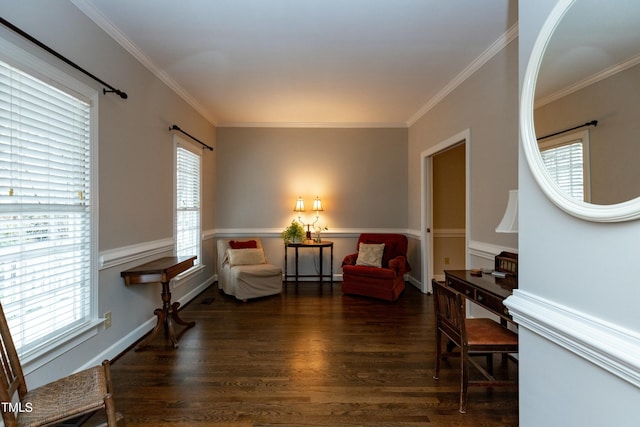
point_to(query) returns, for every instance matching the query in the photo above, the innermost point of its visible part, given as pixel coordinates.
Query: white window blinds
(45, 210)
(566, 160)
(187, 203)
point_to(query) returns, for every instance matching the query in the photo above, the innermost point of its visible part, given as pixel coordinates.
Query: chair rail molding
(487, 250)
(449, 232)
(113, 257)
(275, 232)
(607, 345)
(208, 234)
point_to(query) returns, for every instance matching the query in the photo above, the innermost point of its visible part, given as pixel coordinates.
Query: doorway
(445, 217)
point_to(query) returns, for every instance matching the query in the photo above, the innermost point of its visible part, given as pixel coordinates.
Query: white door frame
(426, 208)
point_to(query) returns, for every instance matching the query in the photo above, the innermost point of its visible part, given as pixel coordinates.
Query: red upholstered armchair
(384, 282)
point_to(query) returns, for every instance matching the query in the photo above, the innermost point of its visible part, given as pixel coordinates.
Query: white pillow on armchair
(370, 254)
(246, 256)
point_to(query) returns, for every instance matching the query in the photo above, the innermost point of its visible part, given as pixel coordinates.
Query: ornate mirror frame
(624, 211)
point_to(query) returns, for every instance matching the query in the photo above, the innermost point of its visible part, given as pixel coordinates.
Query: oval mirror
(580, 102)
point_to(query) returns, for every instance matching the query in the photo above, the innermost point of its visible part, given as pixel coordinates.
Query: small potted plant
(294, 233)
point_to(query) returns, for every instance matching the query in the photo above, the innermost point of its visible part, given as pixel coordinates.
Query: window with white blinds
(45, 211)
(187, 201)
(566, 158)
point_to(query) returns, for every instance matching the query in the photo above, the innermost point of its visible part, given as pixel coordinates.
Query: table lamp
(317, 207)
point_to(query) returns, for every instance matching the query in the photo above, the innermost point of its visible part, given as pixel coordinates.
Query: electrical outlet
(107, 320)
(446, 260)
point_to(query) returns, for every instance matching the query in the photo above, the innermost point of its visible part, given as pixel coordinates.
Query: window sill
(38, 357)
(180, 279)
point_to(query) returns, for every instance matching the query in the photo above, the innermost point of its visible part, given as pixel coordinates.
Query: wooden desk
(161, 270)
(297, 246)
(487, 291)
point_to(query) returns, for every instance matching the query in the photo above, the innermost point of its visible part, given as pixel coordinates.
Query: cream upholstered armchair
(243, 270)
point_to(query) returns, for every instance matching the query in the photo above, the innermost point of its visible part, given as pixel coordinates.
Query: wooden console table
(161, 270)
(487, 290)
(297, 246)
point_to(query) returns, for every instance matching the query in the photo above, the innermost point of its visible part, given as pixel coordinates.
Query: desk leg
(296, 266)
(286, 266)
(331, 269)
(159, 324)
(321, 271)
(177, 319)
(166, 315)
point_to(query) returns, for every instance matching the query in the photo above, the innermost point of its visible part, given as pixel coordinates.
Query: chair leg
(436, 374)
(464, 380)
(110, 411)
(106, 365)
(109, 405)
(490, 363)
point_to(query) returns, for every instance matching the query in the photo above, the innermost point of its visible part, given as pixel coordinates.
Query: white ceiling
(309, 62)
(590, 43)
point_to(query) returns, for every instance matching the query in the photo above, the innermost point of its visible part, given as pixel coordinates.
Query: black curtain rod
(15, 29)
(591, 123)
(175, 127)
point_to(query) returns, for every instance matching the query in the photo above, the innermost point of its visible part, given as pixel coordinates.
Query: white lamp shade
(317, 205)
(299, 205)
(509, 223)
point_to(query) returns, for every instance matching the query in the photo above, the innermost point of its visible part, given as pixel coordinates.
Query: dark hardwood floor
(308, 357)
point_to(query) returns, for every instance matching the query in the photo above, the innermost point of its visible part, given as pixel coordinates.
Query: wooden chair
(70, 397)
(473, 337)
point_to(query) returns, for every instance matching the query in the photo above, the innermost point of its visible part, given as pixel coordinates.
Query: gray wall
(614, 147)
(578, 296)
(135, 175)
(486, 104)
(359, 174)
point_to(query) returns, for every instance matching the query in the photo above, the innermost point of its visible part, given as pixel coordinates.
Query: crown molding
(86, 7)
(594, 78)
(335, 125)
(506, 38)
(101, 21)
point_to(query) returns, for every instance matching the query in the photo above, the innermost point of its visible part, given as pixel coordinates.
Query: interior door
(445, 188)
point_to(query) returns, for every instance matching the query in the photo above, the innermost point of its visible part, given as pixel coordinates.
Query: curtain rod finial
(118, 92)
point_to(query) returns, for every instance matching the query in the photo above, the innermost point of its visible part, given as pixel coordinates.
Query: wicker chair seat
(66, 398)
(77, 396)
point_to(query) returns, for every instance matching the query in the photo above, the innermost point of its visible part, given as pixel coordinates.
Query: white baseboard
(415, 282)
(607, 345)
